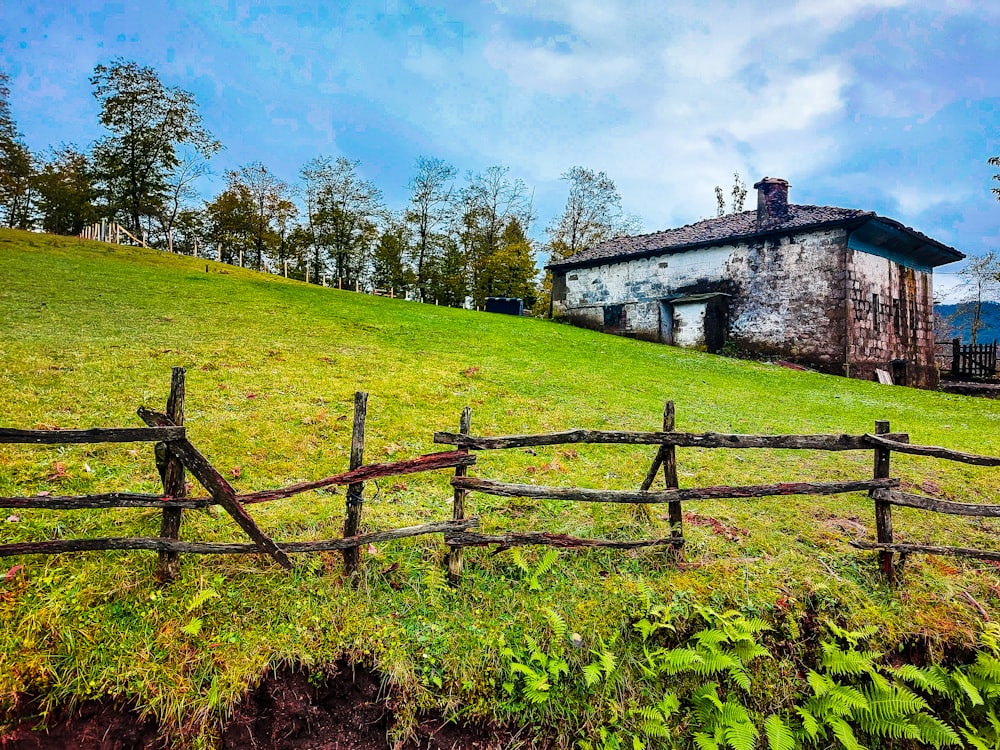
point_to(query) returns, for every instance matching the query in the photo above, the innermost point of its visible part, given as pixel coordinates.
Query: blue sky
(887, 105)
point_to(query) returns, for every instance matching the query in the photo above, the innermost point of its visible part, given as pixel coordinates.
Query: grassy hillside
(90, 332)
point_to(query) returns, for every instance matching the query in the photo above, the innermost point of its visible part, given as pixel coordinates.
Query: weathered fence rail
(882, 488)
(175, 455)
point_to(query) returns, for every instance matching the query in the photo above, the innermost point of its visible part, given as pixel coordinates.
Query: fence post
(458, 513)
(956, 357)
(670, 480)
(172, 475)
(883, 510)
(355, 491)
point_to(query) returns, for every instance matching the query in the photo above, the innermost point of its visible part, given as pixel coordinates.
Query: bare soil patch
(292, 709)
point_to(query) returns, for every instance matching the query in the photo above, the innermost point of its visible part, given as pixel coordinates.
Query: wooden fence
(175, 454)
(106, 231)
(973, 360)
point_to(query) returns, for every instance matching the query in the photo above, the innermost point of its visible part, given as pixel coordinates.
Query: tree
(490, 201)
(510, 271)
(593, 214)
(994, 161)
(343, 212)
(982, 280)
(16, 166)
(447, 275)
(431, 206)
(148, 122)
(268, 209)
(66, 192)
(738, 193)
(229, 222)
(179, 192)
(389, 269)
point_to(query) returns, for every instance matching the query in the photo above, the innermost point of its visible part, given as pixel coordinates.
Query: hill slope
(91, 332)
(957, 321)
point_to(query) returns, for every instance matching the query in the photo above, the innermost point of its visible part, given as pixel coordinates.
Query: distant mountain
(955, 320)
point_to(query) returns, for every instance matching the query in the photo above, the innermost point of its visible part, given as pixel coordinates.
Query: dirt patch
(93, 725)
(291, 709)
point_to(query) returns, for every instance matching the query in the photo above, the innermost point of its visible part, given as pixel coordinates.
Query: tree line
(456, 238)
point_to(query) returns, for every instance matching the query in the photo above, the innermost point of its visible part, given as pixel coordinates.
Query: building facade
(840, 290)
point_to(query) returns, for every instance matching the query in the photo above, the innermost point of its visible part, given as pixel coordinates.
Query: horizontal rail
(430, 462)
(93, 435)
(679, 439)
(521, 538)
(106, 500)
(933, 451)
(443, 460)
(505, 489)
(907, 500)
(157, 544)
(927, 549)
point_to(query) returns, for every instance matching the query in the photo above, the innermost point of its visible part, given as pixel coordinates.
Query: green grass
(90, 332)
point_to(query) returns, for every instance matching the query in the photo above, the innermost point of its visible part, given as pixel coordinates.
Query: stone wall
(786, 295)
(891, 318)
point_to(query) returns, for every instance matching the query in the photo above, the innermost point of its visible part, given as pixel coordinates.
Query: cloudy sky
(889, 105)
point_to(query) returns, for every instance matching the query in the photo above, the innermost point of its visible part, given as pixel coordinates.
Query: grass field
(90, 332)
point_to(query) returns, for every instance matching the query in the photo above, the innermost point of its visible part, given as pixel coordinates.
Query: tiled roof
(711, 231)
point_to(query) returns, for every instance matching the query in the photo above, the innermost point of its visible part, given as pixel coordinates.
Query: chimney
(772, 202)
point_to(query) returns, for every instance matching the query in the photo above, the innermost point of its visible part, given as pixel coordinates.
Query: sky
(889, 105)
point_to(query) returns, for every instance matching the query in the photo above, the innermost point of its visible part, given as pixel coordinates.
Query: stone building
(838, 289)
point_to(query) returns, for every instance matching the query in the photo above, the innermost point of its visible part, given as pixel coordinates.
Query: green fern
(652, 720)
(853, 637)
(779, 735)
(929, 679)
(533, 573)
(850, 662)
(721, 724)
(556, 622)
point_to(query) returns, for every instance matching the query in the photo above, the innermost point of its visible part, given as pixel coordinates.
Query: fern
(201, 597)
(886, 705)
(719, 723)
(532, 574)
(850, 662)
(653, 719)
(556, 622)
(779, 736)
(928, 679)
(933, 731)
(843, 732)
(853, 637)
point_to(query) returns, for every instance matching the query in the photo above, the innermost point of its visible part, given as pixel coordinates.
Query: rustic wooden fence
(883, 489)
(973, 360)
(175, 454)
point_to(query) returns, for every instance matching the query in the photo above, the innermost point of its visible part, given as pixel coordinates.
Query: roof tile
(710, 231)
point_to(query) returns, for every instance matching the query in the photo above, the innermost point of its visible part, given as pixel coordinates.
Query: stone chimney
(772, 202)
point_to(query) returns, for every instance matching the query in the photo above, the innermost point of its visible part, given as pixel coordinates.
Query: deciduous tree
(982, 281)
(490, 201)
(994, 161)
(269, 208)
(147, 122)
(737, 194)
(431, 206)
(16, 166)
(593, 214)
(510, 271)
(344, 212)
(66, 193)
